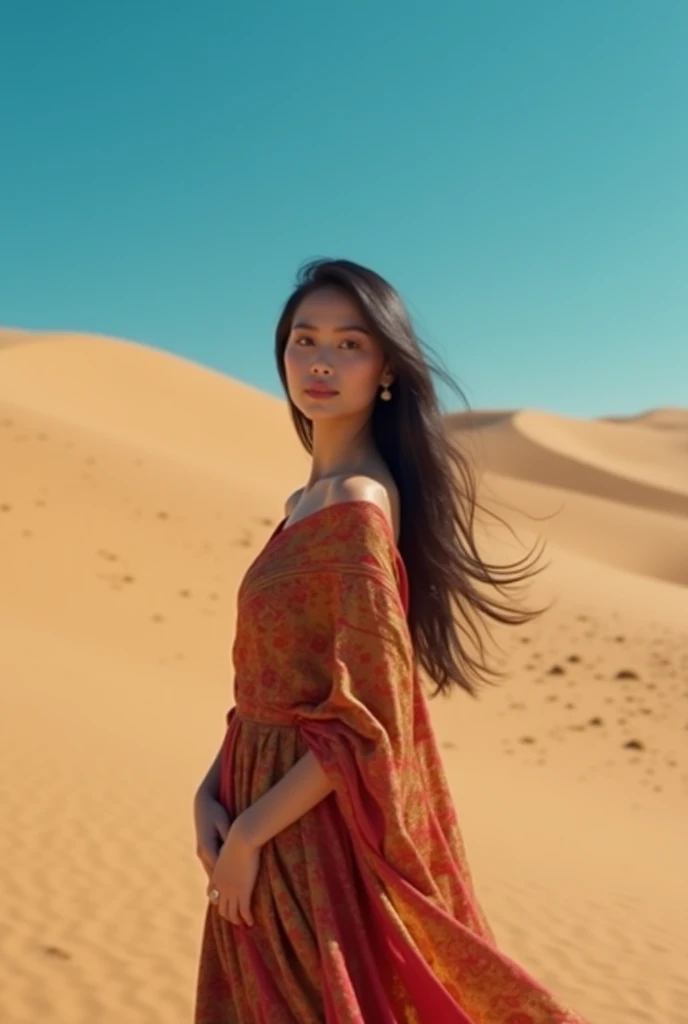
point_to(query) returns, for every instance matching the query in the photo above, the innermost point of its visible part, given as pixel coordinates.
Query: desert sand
(135, 488)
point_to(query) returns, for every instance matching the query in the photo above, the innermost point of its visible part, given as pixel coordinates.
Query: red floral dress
(364, 908)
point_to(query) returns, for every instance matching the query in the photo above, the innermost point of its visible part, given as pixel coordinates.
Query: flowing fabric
(364, 908)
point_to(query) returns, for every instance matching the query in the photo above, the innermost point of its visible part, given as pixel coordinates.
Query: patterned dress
(364, 908)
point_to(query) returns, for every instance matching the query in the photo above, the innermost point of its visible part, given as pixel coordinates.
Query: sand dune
(660, 419)
(631, 464)
(617, 494)
(138, 395)
(135, 487)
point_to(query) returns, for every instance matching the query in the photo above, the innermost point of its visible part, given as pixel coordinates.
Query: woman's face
(333, 364)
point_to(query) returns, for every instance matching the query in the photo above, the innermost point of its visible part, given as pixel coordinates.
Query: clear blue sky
(518, 169)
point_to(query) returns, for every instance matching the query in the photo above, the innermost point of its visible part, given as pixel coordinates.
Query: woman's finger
(245, 910)
(233, 908)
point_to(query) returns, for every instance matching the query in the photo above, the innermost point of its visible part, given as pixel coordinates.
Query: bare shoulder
(292, 501)
(367, 488)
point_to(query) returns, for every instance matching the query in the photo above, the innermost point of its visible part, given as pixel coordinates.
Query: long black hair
(437, 487)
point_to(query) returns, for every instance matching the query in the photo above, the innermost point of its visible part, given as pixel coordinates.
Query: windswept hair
(451, 585)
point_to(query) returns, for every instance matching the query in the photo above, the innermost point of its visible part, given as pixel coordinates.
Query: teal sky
(518, 169)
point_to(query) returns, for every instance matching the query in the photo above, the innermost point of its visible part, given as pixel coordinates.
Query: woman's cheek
(291, 363)
(367, 372)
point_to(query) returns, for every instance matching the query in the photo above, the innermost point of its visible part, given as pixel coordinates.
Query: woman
(338, 886)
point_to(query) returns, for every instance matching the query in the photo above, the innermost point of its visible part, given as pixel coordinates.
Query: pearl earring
(386, 394)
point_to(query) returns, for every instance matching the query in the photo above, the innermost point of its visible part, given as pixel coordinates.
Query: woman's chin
(326, 409)
(320, 408)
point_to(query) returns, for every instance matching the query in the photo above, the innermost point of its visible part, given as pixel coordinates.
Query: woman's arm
(211, 782)
(296, 793)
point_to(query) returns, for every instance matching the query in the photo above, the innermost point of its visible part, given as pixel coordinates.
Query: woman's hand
(212, 826)
(234, 876)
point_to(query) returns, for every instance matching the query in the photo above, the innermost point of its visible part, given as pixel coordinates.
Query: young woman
(337, 881)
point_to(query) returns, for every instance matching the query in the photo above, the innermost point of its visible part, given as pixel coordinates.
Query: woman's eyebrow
(303, 326)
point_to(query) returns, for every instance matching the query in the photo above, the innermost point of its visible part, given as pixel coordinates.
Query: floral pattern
(365, 909)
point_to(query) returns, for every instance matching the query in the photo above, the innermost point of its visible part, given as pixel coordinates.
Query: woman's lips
(320, 393)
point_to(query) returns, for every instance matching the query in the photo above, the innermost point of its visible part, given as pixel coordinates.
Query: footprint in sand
(57, 952)
(109, 556)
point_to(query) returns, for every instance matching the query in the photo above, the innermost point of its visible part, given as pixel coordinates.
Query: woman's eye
(304, 340)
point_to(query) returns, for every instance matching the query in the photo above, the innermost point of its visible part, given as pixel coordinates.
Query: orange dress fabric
(364, 908)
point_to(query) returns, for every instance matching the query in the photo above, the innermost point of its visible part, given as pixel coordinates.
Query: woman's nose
(321, 367)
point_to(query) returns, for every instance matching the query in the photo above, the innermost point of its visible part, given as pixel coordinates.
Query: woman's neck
(340, 447)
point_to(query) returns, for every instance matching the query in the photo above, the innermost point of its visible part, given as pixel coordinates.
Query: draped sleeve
(363, 732)
(372, 736)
